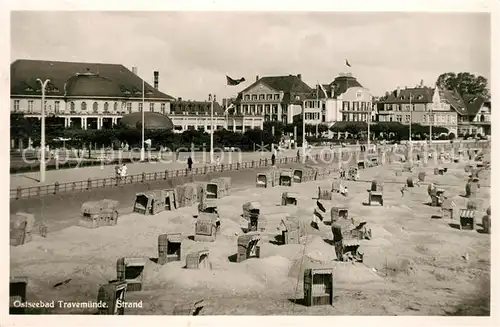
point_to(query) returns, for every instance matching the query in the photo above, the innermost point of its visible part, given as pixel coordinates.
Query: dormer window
(401, 97)
(126, 92)
(29, 89)
(420, 97)
(138, 92)
(150, 92)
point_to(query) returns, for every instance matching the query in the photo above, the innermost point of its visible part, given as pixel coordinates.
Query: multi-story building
(275, 98)
(344, 99)
(95, 96)
(197, 115)
(86, 95)
(478, 118)
(423, 105)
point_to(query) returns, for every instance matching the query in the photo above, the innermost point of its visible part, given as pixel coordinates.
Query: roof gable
(473, 104)
(260, 87)
(25, 72)
(286, 84)
(455, 101)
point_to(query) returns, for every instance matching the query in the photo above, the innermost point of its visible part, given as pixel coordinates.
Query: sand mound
(355, 273)
(317, 253)
(220, 280)
(396, 266)
(229, 228)
(268, 270)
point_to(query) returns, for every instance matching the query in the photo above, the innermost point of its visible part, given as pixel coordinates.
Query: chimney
(256, 78)
(398, 92)
(134, 70)
(156, 74)
(299, 76)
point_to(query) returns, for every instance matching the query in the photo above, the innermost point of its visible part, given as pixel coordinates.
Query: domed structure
(152, 120)
(91, 85)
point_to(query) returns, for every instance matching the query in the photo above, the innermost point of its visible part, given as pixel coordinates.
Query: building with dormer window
(423, 105)
(275, 98)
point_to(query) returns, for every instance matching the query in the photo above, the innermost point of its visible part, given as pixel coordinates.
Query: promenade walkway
(105, 171)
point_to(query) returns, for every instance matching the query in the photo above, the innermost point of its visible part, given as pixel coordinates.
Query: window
(140, 106)
(72, 106)
(275, 109)
(252, 109)
(276, 97)
(16, 105)
(247, 97)
(163, 108)
(106, 107)
(359, 94)
(425, 118)
(259, 109)
(262, 97)
(407, 118)
(284, 118)
(115, 106)
(399, 118)
(245, 108)
(269, 97)
(254, 97)
(267, 108)
(129, 107)
(355, 105)
(95, 107)
(152, 107)
(83, 106)
(56, 106)
(345, 105)
(363, 106)
(30, 106)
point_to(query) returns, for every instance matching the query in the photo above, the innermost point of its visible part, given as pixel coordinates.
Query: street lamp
(42, 138)
(212, 100)
(303, 133)
(142, 125)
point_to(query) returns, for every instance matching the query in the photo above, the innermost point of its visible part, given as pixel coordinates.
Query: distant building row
(98, 95)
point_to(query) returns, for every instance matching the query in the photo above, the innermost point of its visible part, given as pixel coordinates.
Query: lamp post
(368, 123)
(411, 117)
(42, 138)
(142, 124)
(303, 133)
(212, 100)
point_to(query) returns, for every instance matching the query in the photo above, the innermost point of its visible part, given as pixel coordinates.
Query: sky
(194, 51)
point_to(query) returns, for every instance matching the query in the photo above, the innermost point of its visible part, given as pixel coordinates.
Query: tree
(464, 83)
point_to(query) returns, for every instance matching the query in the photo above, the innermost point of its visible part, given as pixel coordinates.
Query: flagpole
(369, 122)
(411, 118)
(212, 100)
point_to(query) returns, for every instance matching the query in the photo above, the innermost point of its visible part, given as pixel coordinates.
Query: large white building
(96, 95)
(344, 99)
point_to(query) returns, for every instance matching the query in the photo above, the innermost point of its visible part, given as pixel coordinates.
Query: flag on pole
(323, 89)
(319, 211)
(347, 63)
(233, 82)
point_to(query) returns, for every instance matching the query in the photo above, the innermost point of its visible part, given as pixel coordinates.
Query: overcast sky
(193, 51)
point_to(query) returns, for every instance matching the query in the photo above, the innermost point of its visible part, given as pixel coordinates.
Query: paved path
(105, 171)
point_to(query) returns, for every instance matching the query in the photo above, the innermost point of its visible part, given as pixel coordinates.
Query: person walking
(123, 172)
(190, 163)
(273, 160)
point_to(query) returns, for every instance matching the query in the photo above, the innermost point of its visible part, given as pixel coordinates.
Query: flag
(323, 89)
(231, 106)
(319, 211)
(233, 82)
(347, 63)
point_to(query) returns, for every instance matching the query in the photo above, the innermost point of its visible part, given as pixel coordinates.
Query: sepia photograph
(250, 163)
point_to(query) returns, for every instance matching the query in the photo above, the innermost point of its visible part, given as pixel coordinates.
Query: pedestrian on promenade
(117, 171)
(217, 161)
(123, 171)
(190, 163)
(273, 160)
(298, 155)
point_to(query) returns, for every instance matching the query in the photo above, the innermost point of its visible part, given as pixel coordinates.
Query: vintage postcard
(209, 160)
